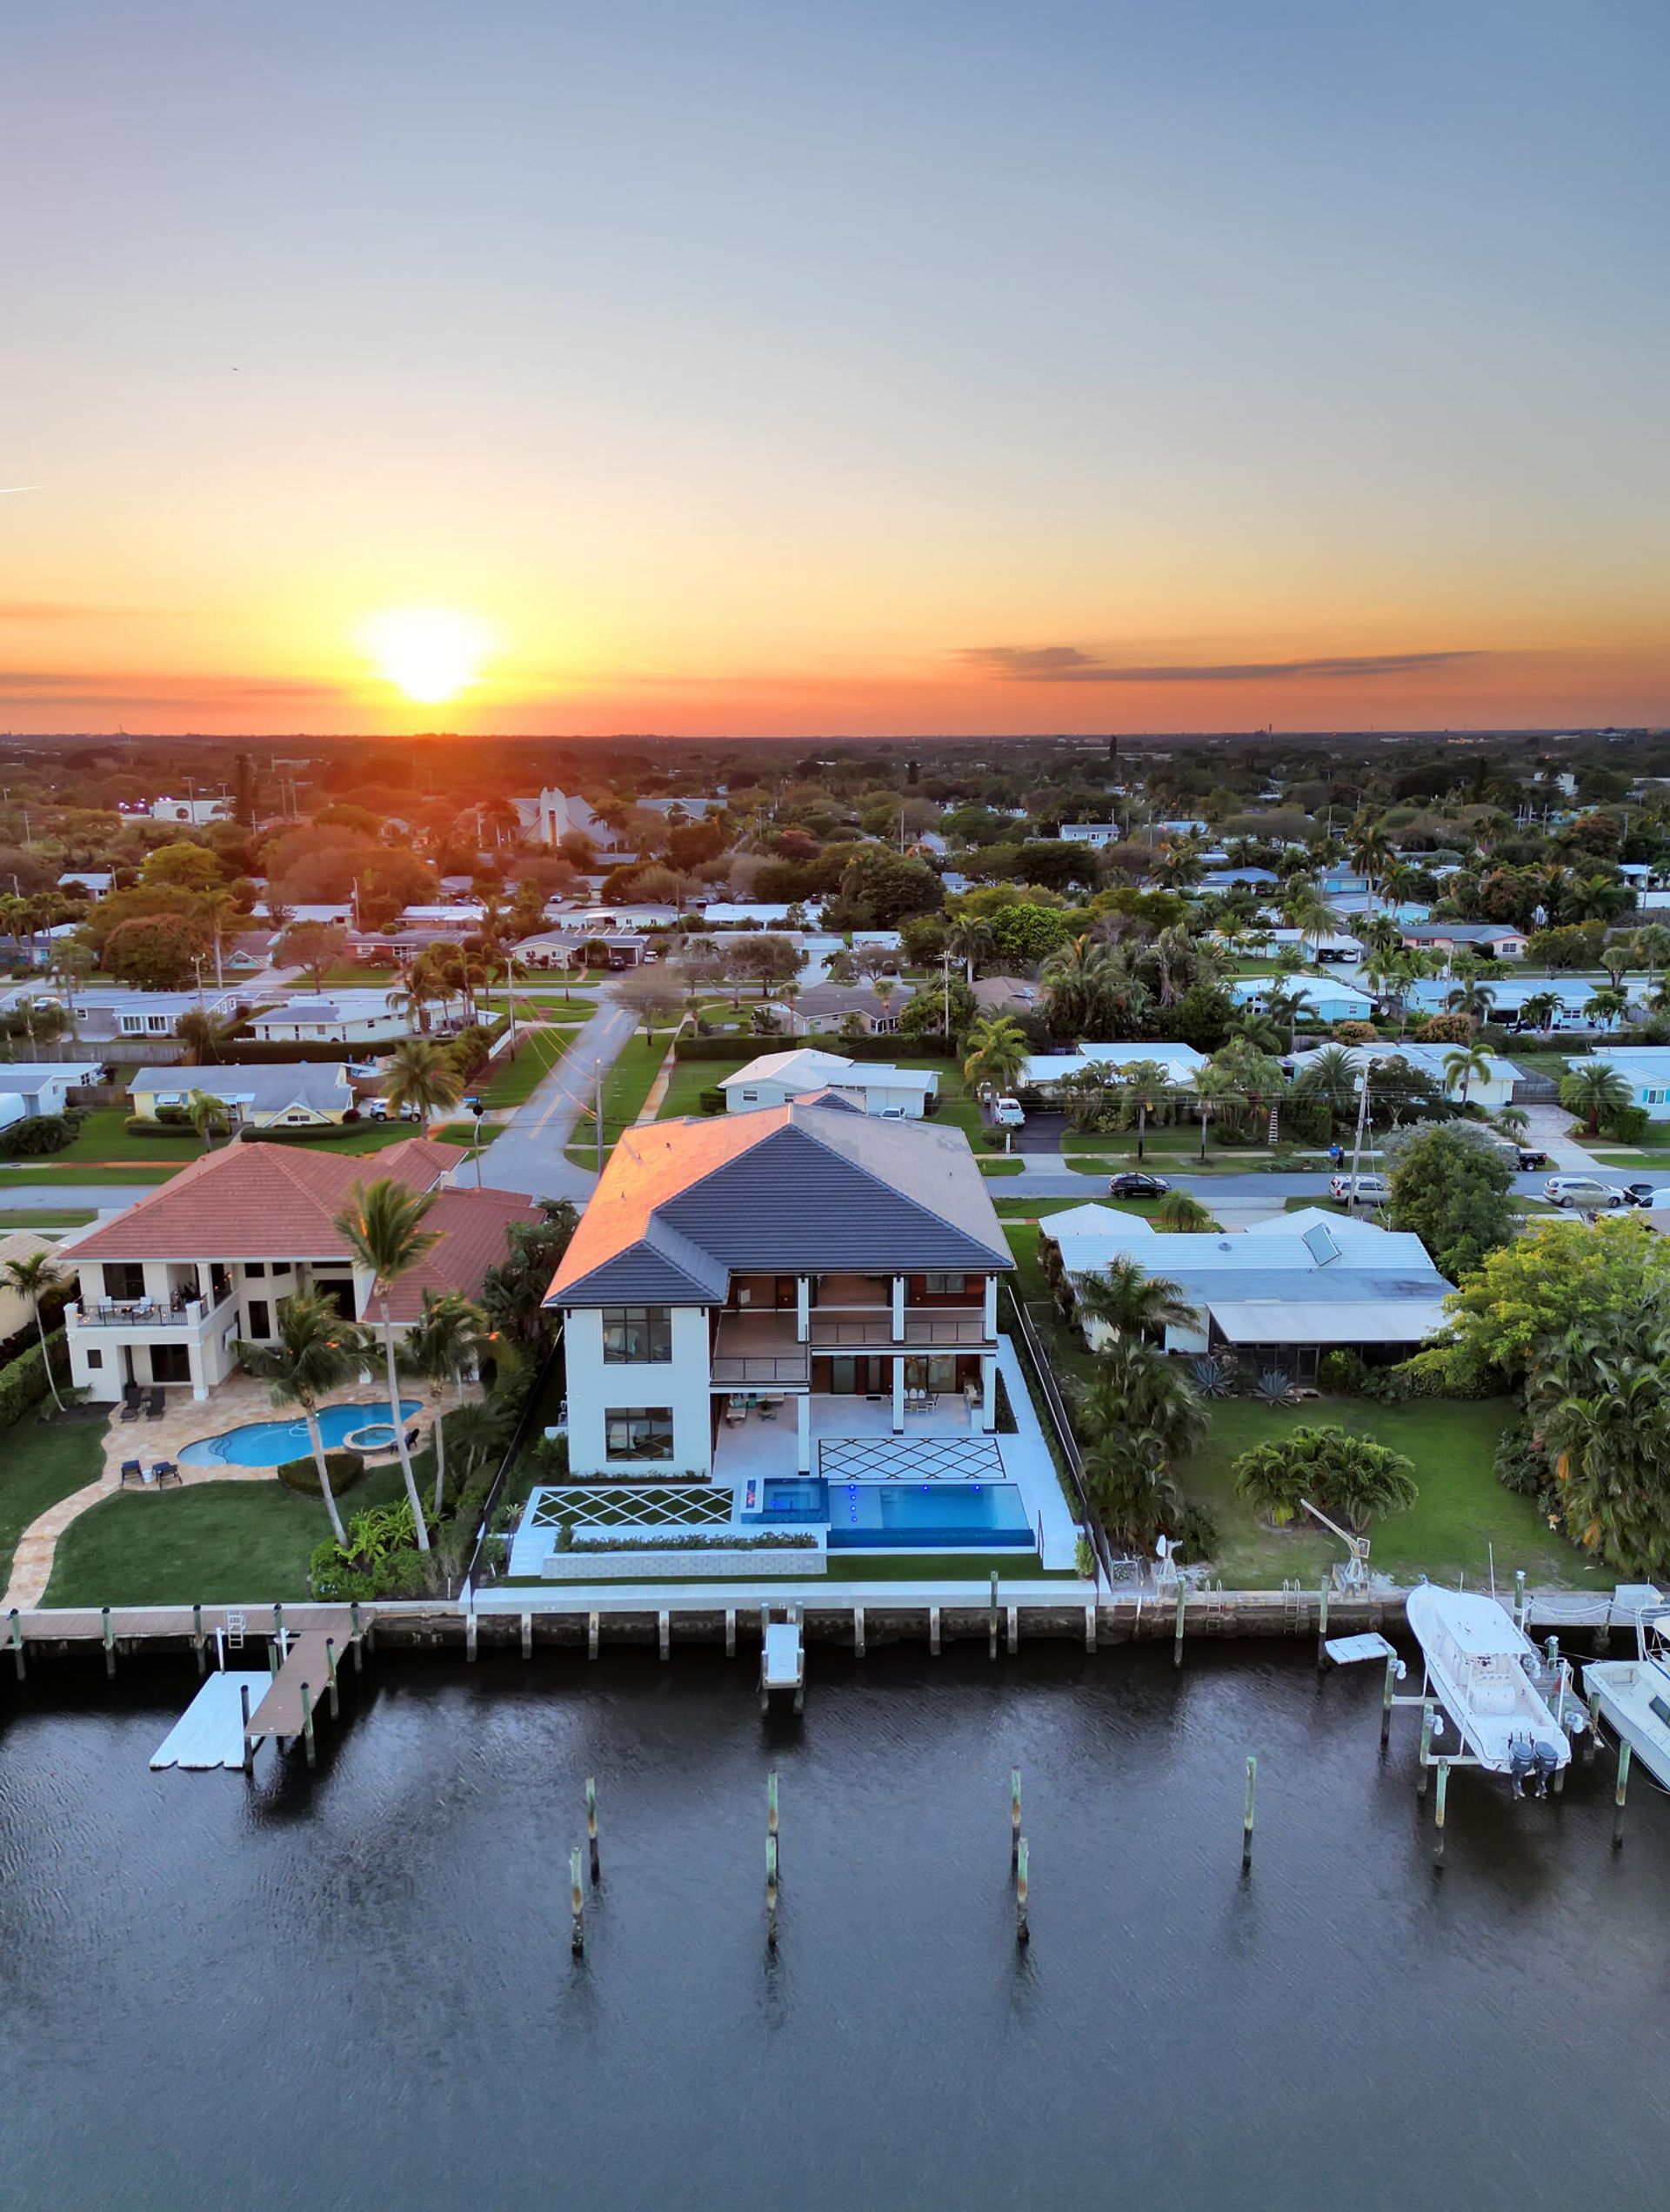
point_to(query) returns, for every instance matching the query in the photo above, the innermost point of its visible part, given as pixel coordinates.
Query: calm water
(355, 1988)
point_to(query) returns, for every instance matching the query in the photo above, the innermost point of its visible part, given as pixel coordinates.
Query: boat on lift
(1487, 1675)
(1633, 1695)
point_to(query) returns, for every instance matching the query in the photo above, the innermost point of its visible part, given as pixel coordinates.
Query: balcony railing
(180, 1312)
(875, 1328)
(729, 1369)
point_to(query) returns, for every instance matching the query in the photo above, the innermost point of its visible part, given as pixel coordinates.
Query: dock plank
(209, 1733)
(279, 1712)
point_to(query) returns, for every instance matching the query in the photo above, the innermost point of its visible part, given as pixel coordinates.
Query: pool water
(891, 1516)
(268, 1444)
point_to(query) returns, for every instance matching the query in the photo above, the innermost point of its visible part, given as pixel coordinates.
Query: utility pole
(597, 1111)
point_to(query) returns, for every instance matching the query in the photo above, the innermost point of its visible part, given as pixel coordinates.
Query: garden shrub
(711, 1100)
(1446, 1029)
(22, 1382)
(344, 1469)
(1433, 1373)
(1356, 1033)
(38, 1133)
(1627, 1123)
(1197, 1533)
(145, 1124)
(1342, 1374)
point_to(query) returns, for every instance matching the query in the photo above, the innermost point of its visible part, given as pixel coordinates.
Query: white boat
(1484, 1671)
(1633, 1695)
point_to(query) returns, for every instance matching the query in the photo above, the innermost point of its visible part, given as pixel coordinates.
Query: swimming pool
(268, 1444)
(927, 1516)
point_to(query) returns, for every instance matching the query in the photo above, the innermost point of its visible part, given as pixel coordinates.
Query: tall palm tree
(203, 1037)
(1471, 998)
(1330, 1075)
(1146, 1089)
(441, 1346)
(1539, 1010)
(1137, 1416)
(1314, 918)
(1593, 1088)
(35, 1277)
(1130, 1302)
(1605, 1005)
(422, 1075)
(971, 939)
(1650, 949)
(382, 1226)
(1283, 1008)
(1467, 1065)
(316, 1353)
(997, 1053)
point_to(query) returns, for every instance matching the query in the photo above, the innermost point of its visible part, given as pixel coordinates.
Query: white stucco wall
(680, 1383)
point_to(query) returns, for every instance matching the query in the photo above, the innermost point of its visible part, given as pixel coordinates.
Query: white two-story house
(167, 1289)
(806, 1257)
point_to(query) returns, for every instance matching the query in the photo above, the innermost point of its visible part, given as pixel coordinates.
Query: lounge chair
(132, 1398)
(165, 1471)
(133, 1472)
(154, 1405)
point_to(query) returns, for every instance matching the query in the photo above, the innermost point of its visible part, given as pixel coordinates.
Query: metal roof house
(893, 1093)
(821, 1259)
(1276, 1296)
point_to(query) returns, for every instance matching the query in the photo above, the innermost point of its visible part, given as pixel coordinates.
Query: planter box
(643, 1561)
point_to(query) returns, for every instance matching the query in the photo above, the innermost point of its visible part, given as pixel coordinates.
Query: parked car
(1587, 1194)
(1642, 1194)
(1529, 1158)
(1135, 1183)
(1009, 1113)
(1365, 1190)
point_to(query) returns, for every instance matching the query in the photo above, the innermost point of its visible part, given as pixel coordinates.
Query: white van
(1009, 1113)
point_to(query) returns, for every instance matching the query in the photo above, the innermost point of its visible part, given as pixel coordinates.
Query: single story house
(826, 1006)
(170, 1285)
(195, 811)
(1491, 1090)
(892, 1093)
(1094, 834)
(1046, 1073)
(1233, 879)
(1277, 1296)
(31, 1087)
(344, 1018)
(1490, 940)
(1326, 998)
(110, 1011)
(1509, 993)
(299, 1095)
(96, 883)
(1645, 1068)
(561, 948)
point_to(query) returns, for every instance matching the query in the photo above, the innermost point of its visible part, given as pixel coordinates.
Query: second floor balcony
(757, 1348)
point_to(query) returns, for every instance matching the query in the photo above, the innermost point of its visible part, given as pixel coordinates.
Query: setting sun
(429, 653)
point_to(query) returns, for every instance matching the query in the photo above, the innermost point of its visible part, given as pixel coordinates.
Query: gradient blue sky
(849, 368)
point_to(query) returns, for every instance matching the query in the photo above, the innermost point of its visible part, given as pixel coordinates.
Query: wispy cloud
(36, 687)
(1069, 665)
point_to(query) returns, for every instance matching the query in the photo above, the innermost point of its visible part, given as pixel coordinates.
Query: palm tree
(382, 1226)
(1331, 1076)
(1180, 1212)
(1650, 949)
(1471, 998)
(440, 1346)
(421, 1074)
(1284, 1008)
(203, 1037)
(1128, 1301)
(316, 1353)
(1593, 1088)
(997, 1053)
(35, 1277)
(971, 939)
(1140, 1413)
(1313, 919)
(1467, 1065)
(1605, 1005)
(1513, 1121)
(208, 1116)
(1146, 1089)
(1539, 1010)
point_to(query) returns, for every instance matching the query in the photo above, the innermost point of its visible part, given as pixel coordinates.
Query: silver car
(1587, 1194)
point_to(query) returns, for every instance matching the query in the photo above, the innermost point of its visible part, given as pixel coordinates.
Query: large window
(637, 1433)
(944, 1285)
(125, 1281)
(634, 1334)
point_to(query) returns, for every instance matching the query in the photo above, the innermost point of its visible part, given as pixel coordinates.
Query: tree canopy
(1454, 1189)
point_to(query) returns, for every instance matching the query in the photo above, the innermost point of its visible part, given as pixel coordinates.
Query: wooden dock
(306, 1677)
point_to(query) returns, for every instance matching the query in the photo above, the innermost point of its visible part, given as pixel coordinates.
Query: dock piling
(992, 1619)
(359, 1649)
(307, 1726)
(527, 1635)
(1424, 1767)
(18, 1659)
(470, 1635)
(730, 1632)
(663, 1621)
(278, 1628)
(1090, 1627)
(196, 1639)
(1014, 1629)
(1593, 1737)
(1014, 1817)
(1023, 1932)
(593, 1633)
(858, 1632)
(1322, 1626)
(1438, 1811)
(1619, 1792)
(771, 1815)
(1247, 1816)
(244, 1707)
(576, 1905)
(1518, 1598)
(1386, 1700)
(933, 1630)
(331, 1662)
(110, 1641)
(591, 1826)
(1177, 1639)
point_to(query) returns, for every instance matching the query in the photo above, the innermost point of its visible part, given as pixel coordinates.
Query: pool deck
(183, 1420)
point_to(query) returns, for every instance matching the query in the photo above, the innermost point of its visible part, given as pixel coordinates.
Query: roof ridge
(792, 1127)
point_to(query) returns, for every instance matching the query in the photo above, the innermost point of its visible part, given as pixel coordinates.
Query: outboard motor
(1548, 1764)
(1522, 1762)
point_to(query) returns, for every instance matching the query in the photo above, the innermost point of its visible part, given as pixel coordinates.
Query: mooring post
(17, 1659)
(307, 1725)
(1518, 1598)
(1090, 1627)
(576, 1904)
(1442, 1800)
(243, 1708)
(858, 1632)
(730, 1631)
(1322, 1627)
(110, 1643)
(593, 1633)
(1014, 1629)
(1619, 1794)
(1247, 1816)
(330, 1661)
(1594, 1729)
(933, 1630)
(470, 1635)
(527, 1635)
(278, 1627)
(272, 1658)
(197, 1638)
(1014, 1817)
(664, 1620)
(1424, 1767)
(359, 1649)
(770, 1893)
(592, 1824)
(1177, 1639)
(992, 1619)
(1023, 1933)
(771, 1810)
(1386, 1701)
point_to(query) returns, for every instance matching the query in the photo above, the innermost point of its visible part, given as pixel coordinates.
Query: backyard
(41, 1462)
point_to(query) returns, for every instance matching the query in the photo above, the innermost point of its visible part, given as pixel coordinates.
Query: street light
(478, 1107)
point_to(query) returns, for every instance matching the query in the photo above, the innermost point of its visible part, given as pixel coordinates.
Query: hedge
(932, 1046)
(344, 1469)
(23, 1384)
(306, 1133)
(37, 1133)
(146, 1125)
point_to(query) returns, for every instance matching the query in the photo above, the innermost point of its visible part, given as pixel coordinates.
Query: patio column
(194, 1353)
(898, 1309)
(988, 1391)
(802, 1307)
(803, 1431)
(991, 1320)
(898, 1396)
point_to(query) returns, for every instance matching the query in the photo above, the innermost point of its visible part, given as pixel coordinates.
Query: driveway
(527, 1155)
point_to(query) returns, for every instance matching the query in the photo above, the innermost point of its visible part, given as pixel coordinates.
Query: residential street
(528, 1154)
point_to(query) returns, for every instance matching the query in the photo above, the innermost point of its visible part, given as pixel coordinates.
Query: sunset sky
(834, 368)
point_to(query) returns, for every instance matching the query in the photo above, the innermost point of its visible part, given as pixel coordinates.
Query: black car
(1529, 1158)
(1639, 1193)
(1136, 1184)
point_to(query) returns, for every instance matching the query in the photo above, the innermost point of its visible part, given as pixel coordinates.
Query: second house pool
(269, 1444)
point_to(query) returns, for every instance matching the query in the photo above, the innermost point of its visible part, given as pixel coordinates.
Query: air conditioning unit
(744, 1297)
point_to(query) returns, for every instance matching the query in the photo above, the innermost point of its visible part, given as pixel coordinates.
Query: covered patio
(760, 1447)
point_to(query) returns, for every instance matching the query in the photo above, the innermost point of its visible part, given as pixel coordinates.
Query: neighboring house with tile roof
(800, 1250)
(169, 1287)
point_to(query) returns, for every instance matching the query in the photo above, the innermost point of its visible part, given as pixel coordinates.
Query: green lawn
(624, 1089)
(1461, 1513)
(692, 1078)
(536, 1053)
(219, 1542)
(41, 1462)
(346, 974)
(59, 1169)
(20, 1218)
(995, 1163)
(103, 1136)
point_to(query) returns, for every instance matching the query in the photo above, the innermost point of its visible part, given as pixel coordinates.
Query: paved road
(19, 1197)
(1059, 1182)
(527, 1155)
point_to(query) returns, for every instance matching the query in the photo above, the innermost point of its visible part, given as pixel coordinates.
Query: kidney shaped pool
(268, 1444)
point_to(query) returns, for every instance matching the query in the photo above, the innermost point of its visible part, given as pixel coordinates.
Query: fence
(520, 1439)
